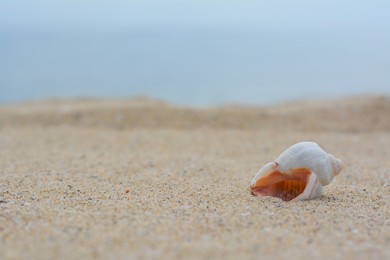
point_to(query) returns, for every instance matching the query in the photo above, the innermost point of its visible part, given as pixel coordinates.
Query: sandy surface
(143, 179)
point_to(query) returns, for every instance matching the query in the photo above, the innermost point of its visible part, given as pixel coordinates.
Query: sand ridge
(353, 114)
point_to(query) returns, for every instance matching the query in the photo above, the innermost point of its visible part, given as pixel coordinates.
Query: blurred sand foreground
(144, 179)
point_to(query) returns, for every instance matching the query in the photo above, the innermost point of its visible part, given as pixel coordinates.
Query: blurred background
(194, 52)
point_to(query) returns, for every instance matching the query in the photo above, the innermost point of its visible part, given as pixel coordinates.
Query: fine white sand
(144, 179)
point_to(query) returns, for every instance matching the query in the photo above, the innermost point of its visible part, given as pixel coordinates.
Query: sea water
(193, 66)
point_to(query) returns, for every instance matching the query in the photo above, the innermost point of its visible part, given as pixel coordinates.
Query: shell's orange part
(280, 185)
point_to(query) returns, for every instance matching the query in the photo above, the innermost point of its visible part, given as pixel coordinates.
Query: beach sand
(144, 179)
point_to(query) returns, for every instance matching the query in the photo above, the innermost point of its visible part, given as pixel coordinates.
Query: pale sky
(335, 15)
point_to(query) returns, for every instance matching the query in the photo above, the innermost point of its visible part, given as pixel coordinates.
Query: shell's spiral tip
(337, 165)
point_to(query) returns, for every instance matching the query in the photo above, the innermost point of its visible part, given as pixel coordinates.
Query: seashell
(297, 174)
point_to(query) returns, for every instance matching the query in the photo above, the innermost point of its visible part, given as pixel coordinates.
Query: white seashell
(297, 174)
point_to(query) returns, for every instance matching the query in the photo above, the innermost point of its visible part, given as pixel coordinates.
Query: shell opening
(283, 186)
